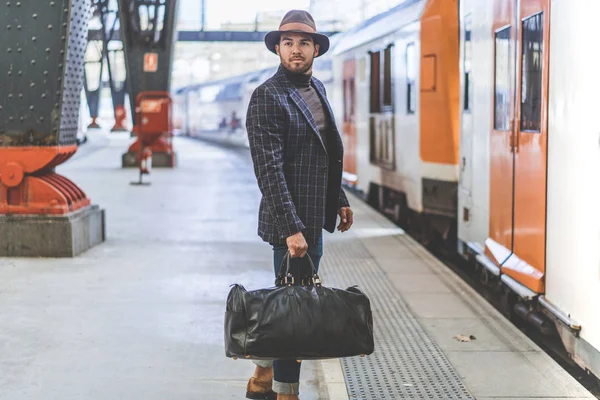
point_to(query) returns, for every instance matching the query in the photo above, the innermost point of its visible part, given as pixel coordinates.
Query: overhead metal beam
(206, 36)
(221, 36)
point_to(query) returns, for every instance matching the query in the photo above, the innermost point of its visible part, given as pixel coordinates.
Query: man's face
(297, 52)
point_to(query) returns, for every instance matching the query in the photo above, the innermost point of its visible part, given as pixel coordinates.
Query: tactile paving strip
(406, 363)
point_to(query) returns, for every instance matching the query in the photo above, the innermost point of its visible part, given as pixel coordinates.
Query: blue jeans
(286, 373)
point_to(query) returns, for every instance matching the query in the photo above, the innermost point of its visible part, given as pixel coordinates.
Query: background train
(216, 110)
(473, 125)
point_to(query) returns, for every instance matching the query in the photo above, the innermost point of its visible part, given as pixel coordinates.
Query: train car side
(399, 100)
(524, 150)
(572, 296)
(216, 110)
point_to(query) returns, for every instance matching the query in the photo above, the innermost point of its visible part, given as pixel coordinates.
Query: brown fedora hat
(297, 21)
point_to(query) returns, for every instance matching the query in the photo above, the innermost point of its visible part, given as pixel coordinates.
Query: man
(297, 153)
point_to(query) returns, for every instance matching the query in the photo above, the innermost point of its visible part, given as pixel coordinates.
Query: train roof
(233, 80)
(380, 25)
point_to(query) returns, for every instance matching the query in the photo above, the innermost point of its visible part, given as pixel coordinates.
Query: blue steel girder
(209, 36)
(147, 27)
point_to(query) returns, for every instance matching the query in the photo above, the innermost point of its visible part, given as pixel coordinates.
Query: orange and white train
(477, 123)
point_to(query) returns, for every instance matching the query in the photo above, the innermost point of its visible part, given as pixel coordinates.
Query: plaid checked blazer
(300, 180)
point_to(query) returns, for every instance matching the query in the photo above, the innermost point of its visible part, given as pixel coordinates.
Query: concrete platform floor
(141, 316)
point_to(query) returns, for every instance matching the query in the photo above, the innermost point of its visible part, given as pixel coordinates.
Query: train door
(527, 148)
(349, 134)
(500, 243)
(530, 146)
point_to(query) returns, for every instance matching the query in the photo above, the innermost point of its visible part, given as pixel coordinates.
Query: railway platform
(141, 315)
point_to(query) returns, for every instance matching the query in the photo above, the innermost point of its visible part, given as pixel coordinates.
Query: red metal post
(154, 130)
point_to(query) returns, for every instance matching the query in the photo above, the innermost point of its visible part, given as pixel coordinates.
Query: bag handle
(287, 258)
(288, 278)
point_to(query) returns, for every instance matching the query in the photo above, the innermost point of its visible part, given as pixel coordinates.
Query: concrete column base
(159, 160)
(52, 235)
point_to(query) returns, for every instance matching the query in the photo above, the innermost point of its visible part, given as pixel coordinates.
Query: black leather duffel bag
(303, 322)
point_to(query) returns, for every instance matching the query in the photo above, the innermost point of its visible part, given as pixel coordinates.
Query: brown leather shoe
(260, 390)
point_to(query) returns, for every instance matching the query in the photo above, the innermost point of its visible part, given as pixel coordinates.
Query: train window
(468, 96)
(381, 127)
(531, 73)
(387, 77)
(375, 83)
(411, 76)
(382, 85)
(428, 73)
(502, 81)
(349, 99)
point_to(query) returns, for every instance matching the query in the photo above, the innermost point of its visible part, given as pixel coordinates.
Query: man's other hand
(346, 219)
(297, 245)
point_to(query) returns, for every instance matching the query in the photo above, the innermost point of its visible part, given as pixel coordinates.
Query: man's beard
(300, 69)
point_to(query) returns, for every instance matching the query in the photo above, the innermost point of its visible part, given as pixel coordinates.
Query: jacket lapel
(329, 110)
(334, 129)
(301, 104)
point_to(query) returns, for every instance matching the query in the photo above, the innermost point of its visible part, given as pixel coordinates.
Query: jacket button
(339, 161)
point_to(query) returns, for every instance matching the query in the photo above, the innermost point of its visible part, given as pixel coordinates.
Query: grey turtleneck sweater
(305, 86)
